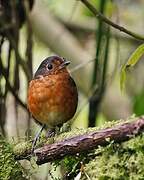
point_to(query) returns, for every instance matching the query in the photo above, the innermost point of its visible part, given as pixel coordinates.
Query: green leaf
(134, 58)
(122, 79)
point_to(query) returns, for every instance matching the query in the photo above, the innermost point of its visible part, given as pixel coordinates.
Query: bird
(52, 94)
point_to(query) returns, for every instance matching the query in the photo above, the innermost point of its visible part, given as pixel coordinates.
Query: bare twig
(107, 21)
(89, 26)
(84, 143)
(81, 65)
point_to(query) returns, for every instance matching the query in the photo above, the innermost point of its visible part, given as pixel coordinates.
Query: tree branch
(107, 21)
(86, 142)
(89, 26)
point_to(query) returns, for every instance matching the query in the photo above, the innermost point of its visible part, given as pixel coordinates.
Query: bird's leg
(50, 133)
(37, 137)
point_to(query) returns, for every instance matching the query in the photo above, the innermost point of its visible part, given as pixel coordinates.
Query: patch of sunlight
(100, 120)
(81, 121)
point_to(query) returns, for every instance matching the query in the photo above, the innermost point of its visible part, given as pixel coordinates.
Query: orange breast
(52, 99)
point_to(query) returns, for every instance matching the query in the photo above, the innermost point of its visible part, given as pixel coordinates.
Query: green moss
(115, 161)
(21, 147)
(118, 161)
(9, 168)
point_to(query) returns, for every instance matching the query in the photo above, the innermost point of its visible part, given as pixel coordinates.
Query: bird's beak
(64, 64)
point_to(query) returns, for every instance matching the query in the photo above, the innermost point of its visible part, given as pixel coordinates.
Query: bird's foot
(50, 133)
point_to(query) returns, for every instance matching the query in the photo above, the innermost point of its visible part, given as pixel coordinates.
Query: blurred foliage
(138, 103)
(8, 10)
(12, 16)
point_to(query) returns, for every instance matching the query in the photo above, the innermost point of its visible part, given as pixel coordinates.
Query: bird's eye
(49, 66)
(64, 59)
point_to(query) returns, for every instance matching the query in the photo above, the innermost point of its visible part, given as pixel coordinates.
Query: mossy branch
(86, 142)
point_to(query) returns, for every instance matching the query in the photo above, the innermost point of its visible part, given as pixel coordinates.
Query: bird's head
(52, 65)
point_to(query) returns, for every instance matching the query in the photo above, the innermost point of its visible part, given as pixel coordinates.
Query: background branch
(107, 21)
(11, 89)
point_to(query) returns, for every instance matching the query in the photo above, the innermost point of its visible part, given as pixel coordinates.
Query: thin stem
(96, 98)
(28, 54)
(3, 71)
(105, 64)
